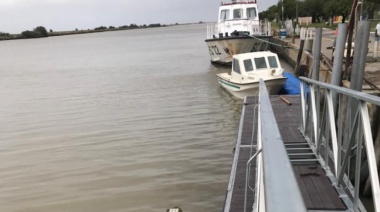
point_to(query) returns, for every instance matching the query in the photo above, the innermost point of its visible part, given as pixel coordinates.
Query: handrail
(341, 127)
(247, 178)
(349, 92)
(275, 163)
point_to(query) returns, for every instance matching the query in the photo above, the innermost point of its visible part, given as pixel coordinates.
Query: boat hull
(221, 50)
(251, 89)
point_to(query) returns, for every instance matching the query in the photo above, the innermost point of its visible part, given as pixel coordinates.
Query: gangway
(301, 157)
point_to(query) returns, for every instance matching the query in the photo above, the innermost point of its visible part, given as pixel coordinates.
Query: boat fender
(175, 209)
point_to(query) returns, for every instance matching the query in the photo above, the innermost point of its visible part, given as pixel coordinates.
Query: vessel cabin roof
(251, 55)
(239, 2)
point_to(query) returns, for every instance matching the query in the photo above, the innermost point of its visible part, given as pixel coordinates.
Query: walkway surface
(316, 188)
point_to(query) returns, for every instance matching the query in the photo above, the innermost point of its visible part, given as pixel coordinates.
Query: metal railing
(337, 132)
(273, 165)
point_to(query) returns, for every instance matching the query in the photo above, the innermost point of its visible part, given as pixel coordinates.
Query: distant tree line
(4, 34)
(37, 32)
(41, 31)
(319, 10)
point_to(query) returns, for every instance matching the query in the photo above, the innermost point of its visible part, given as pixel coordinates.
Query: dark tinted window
(251, 12)
(272, 62)
(260, 62)
(236, 66)
(248, 65)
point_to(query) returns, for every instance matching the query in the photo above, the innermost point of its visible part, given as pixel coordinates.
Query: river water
(116, 121)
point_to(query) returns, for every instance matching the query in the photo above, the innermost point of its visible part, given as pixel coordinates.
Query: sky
(62, 15)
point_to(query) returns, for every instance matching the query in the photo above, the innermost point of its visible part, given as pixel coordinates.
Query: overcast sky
(60, 15)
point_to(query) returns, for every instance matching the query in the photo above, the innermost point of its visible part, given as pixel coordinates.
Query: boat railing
(337, 125)
(266, 27)
(255, 27)
(273, 165)
(210, 30)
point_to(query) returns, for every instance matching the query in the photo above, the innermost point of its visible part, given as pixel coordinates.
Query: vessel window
(272, 62)
(224, 15)
(236, 66)
(251, 12)
(260, 62)
(237, 13)
(248, 65)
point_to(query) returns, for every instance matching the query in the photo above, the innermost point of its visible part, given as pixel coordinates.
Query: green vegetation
(100, 28)
(38, 32)
(320, 10)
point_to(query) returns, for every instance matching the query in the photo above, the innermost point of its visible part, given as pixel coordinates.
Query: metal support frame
(358, 131)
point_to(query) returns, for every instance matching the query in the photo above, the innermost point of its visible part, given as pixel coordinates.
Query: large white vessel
(238, 30)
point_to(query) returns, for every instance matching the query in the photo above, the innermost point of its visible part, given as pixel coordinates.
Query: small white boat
(248, 69)
(238, 30)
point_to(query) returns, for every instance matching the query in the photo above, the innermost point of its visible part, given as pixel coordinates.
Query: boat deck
(316, 188)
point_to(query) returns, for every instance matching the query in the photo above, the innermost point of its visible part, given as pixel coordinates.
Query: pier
(288, 157)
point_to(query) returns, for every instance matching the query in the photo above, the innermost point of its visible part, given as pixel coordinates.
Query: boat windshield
(224, 15)
(236, 67)
(260, 62)
(237, 13)
(248, 66)
(251, 12)
(272, 62)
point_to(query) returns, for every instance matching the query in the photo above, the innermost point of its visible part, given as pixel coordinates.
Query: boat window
(237, 13)
(251, 12)
(224, 15)
(248, 65)
(260, 62)
(236, 66)
(272, 62)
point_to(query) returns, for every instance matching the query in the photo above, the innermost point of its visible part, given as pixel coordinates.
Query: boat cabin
(255, 65)
(238, 18)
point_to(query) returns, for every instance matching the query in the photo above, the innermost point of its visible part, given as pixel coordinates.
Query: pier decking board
(317, 190)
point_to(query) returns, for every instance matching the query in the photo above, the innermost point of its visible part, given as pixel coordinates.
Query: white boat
(248, 69)
(238, 30)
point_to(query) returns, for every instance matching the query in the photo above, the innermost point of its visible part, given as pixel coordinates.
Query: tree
(101, 28)
(289, 8)
(41, 31)
(271, 13)
(340, 7)
(38, 32)
(29, 34)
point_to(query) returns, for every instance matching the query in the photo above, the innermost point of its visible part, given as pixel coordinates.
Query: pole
(296, 12)
(336, 78)
(338, 55)
(375, 48)
(283, 25)
(317, 53)
(360, 55)
(358, 65)
(361, 10)
(349, 36)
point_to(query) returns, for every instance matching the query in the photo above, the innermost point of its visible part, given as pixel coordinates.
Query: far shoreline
(78, 32)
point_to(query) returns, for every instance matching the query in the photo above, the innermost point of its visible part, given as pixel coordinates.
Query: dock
(317, 185)
(317, 190)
